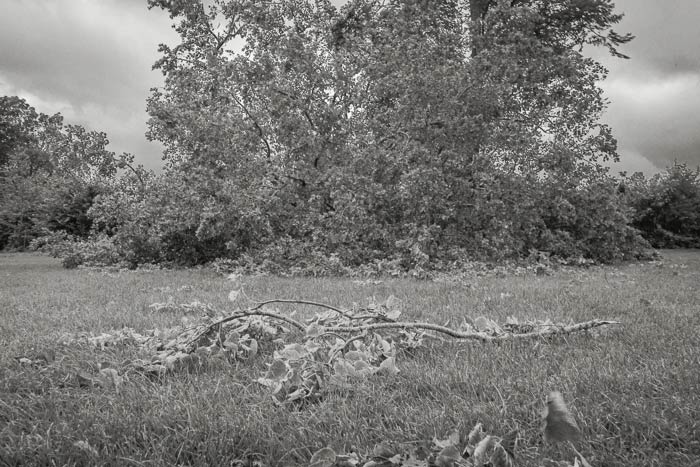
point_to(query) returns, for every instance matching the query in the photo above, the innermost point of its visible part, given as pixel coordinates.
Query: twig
(347, 344)
(304, 302)
(243, 314)
(482, 336)
(375, 316)
(271, 314)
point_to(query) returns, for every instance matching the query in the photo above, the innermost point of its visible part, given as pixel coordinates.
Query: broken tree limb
(548, 330)
(244, 314)
(344, 313)
(483, 336)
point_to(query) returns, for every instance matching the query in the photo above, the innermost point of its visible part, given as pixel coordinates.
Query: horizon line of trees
(45, 200)
(403, 134)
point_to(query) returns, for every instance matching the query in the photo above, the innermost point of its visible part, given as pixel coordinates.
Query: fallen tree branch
(548, 330)
(244, 314)
(477, 335)
(304, 302)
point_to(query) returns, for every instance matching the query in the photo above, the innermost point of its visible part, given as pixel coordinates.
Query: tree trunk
(477, 13)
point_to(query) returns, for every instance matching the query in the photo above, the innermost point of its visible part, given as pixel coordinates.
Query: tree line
(408, 134)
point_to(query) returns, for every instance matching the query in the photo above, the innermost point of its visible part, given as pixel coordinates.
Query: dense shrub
(75, 251)
(23, 204)
(178, 219)
(49, 174)
(30, 208)
(184, 220)
(69, 210)
(667, 206)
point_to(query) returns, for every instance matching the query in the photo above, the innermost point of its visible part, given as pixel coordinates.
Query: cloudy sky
(91, 60)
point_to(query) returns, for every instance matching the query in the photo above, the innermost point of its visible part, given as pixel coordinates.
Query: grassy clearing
(635, 390)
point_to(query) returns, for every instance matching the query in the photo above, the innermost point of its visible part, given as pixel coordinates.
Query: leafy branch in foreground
(483, 329)
(309, 356)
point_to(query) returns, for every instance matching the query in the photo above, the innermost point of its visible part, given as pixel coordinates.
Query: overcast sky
(91, 60)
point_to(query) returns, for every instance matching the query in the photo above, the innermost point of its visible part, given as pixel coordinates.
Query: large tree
(49, 173)
(412, 125)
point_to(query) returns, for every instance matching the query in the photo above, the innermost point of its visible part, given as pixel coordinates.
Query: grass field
(634, 389)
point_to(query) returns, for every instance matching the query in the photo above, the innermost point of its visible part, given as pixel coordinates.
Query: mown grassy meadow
(634, 388)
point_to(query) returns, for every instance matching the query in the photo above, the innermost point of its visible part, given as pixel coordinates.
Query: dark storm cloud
(667, 39)
(655, 96)
(89, 60)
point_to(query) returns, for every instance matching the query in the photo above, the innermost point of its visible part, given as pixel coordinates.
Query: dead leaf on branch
(278, 370)
(449, 456)
(489, 450)
(483, 450)
(473, 439)
(559, 423)
(501, 457)
(484, 324)
(388, 366)
(293, 351)
(452, 440)
(337, 345)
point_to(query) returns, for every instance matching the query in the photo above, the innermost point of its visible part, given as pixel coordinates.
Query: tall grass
(634, 389)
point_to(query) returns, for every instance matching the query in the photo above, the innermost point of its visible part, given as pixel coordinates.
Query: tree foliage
(402, 131)
(50, 173)
(399, 129)
(666, 206)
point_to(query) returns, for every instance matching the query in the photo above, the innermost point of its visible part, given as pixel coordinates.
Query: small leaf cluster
(475, 449)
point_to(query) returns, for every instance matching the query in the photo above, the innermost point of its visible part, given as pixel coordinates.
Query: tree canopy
(411, 129)
(49, 173)
(401, 134)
